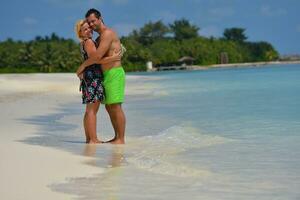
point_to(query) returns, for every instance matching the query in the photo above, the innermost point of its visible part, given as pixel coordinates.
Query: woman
(91, 81)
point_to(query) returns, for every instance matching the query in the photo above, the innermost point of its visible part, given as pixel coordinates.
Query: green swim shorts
(114, 85)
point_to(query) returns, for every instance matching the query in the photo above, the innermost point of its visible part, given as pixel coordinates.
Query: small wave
(181, 138)
(158, 153)
(165, 167)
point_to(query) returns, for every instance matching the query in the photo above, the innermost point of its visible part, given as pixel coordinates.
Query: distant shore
(230, 65)
(254, 64)
(163, 68)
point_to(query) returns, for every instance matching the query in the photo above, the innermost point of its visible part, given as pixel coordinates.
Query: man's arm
(116, 56)
(95, 57)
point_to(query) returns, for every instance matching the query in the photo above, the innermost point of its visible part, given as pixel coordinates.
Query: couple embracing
(102, 76)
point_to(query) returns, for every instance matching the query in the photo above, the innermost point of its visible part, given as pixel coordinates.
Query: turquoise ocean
(229, 133)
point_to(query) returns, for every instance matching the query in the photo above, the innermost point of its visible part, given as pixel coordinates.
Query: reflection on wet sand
(151, 168)
(90, 150)
(112, 159)
(115, 156)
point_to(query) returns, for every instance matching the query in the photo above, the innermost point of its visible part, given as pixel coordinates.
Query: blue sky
(275, 21)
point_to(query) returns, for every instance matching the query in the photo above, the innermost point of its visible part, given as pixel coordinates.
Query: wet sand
(27, 171)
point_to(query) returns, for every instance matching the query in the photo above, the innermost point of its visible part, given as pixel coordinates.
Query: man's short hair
(93, 11)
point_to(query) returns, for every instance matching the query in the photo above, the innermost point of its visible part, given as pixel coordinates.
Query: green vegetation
(154, 42)
(48, 54)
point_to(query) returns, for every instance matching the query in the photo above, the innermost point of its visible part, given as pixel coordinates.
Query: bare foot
(117, 141)
(95, 141)
(99, 141)
(109, 141)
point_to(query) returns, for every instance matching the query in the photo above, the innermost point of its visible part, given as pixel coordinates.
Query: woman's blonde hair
(78, 26)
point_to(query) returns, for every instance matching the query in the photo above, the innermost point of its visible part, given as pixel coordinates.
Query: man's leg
(118, 121)
(90, 122)
(112, 120)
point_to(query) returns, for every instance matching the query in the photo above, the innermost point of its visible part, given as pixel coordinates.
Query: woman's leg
(91, 122)
(87, 135)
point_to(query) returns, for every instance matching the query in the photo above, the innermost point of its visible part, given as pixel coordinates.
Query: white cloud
(30, 21)
(71, 19)
(124, 29)
(222, 12)
(120, 2)
(166, 16)
(210, 31)
(75, 3)
(268, 11)
(90, 3)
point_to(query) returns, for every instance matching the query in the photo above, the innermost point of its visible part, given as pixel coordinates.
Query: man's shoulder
(108, 32)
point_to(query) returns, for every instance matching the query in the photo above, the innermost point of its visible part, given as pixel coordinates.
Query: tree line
(155, 41)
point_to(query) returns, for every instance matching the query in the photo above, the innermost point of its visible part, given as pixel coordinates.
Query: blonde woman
(91, 81)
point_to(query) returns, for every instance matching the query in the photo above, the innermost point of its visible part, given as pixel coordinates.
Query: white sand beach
(232, 145)
(26, 171)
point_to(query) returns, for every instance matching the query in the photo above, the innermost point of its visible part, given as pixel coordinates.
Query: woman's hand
(117, 55)
(79, 71)
(123, 50)
(80, 75)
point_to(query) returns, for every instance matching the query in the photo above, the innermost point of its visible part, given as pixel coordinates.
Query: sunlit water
(216, 134)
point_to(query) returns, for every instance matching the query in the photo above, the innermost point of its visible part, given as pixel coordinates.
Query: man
(114, 75)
